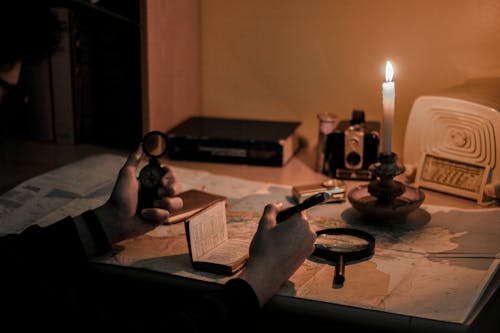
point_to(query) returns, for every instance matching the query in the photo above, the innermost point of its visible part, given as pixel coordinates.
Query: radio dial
(458, 138)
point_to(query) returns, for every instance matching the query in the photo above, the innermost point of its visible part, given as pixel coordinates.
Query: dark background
(104, 87)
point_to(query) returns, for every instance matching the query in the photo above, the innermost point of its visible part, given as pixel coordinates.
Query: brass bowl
(396, 210)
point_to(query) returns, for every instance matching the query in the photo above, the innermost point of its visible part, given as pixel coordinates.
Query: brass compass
(151, 174)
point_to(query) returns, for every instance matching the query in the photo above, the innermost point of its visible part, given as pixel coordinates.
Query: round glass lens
(154, 144)
(341, 243)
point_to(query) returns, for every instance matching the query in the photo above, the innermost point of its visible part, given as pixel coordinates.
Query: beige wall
(170, 62)
(290, 59)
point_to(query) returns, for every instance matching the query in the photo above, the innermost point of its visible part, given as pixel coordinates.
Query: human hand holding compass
(151, 174)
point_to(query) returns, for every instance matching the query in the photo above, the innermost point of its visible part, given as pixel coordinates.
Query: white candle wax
(388, 97)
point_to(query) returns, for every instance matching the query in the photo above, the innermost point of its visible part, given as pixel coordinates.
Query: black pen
(307, 203)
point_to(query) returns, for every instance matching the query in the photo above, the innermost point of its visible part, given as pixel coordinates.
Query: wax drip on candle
(388, 97)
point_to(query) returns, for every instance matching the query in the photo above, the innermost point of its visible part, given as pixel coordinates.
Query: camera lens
(353, 159)
(353, 147)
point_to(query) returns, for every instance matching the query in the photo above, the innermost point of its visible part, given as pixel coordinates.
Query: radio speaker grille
(452, 128)
(470, 137)
(455, 141)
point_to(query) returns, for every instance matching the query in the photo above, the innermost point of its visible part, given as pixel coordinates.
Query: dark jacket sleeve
(233, 307)
(56, 247)
(40, 268)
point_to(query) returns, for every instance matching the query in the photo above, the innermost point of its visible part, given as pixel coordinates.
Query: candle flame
(389, 72)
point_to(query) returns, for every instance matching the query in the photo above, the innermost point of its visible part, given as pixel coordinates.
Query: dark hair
(29, 31)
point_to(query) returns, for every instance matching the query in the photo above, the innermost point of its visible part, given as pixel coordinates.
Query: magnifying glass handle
(339, 271)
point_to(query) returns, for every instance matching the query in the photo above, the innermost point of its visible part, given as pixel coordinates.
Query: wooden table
(322, 314)
(285, 310)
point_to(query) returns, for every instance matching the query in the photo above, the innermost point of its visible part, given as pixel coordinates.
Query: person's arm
(233, 307)
(40, 269)
(56, 246)
(44, 268)
(276, 252)
(117, 218)
(72, 240)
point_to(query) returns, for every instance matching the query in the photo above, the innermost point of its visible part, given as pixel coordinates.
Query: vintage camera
(352, 147)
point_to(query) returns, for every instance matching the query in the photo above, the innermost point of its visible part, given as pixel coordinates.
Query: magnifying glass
(343, 246)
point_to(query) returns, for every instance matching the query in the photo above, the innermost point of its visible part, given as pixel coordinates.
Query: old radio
(452, 141)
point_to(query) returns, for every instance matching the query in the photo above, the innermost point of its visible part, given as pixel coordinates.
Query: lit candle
(388, 94)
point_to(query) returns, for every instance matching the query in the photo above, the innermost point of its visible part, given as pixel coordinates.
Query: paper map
(436, 265)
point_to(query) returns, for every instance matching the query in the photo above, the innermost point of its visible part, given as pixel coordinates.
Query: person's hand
(277, 251)
(118, 215)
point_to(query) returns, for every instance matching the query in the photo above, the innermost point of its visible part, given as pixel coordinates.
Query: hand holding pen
(307, 203)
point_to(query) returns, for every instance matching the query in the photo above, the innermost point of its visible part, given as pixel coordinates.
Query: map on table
(435, 265)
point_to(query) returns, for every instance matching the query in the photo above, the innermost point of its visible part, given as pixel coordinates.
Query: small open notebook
(210, 249)
(194, 200)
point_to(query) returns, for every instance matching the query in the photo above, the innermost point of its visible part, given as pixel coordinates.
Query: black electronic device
(352, 147)
(234, 140)
(154, 145)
